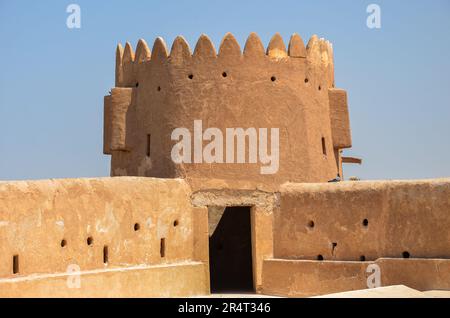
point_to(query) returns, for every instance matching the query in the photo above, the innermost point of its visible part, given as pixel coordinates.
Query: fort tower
(289, 89)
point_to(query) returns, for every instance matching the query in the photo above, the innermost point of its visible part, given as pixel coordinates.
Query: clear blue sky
(53, 79)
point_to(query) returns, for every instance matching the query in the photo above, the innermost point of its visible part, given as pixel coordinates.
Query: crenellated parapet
(318, 54)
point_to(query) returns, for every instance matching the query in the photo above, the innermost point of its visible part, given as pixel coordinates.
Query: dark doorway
(230, 251)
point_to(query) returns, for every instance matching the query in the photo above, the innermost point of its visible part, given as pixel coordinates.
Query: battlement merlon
(318, 54)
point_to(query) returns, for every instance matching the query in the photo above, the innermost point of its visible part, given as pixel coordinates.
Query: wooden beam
(351, 160)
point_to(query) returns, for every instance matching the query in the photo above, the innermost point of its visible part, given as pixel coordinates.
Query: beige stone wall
(168, 280)
(48, 223)
(369, 220)
(327, 235)
(303, 278)
(277, 88)
(340, 120)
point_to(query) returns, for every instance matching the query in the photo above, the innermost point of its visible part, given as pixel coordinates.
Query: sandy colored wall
(327, 235)
(402, 217)
(285, 88)
(169, 280)
(303, 278)
(340, 120)
(48, 223)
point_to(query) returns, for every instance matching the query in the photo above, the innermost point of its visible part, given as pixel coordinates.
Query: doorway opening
(230, 250)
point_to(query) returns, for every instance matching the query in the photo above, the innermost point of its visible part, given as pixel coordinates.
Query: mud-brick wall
(45, 226)
(356, 221)
(285, 87)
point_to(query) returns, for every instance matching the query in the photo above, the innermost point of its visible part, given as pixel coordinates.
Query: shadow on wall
(230, 251)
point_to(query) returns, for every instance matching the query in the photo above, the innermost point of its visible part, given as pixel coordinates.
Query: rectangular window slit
(105, 255)
(324, 148)
(162, 248)
(148, 144)
(16, 264)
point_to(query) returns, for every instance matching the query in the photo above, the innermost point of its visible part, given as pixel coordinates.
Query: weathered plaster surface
(166, 280)
(304, 278)
(402, 216)
(289, 89)
(48, 223)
